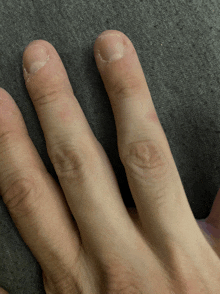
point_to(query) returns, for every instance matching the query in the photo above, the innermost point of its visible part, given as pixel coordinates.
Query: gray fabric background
(178, 44)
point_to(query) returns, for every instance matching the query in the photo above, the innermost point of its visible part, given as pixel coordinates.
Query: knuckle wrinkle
(146, 158)
(22, 196)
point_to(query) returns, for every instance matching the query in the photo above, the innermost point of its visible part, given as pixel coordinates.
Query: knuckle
(64, 278)
(71, 162)
(128, 87)
(121, 277)
(49, 96)
(145, 160)
(64, 284)
(22, 196)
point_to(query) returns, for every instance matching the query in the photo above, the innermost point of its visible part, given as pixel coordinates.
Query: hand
(158, 248)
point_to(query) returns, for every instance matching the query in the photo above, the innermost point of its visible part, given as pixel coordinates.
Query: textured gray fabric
(178, 44)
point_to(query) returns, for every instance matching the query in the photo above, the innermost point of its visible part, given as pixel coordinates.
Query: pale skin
(159, 247)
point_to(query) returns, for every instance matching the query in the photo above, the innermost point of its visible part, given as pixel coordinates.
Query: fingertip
(108, 32)
(103, 34)
(6, 99)
(3, 92)
(37, 42)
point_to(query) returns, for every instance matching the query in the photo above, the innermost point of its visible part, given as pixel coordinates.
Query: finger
(33, 198)
(152, 175)
(2, 291)
(82, 166)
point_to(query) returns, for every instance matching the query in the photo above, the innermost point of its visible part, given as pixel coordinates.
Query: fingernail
(35, 58)
(111, 47)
